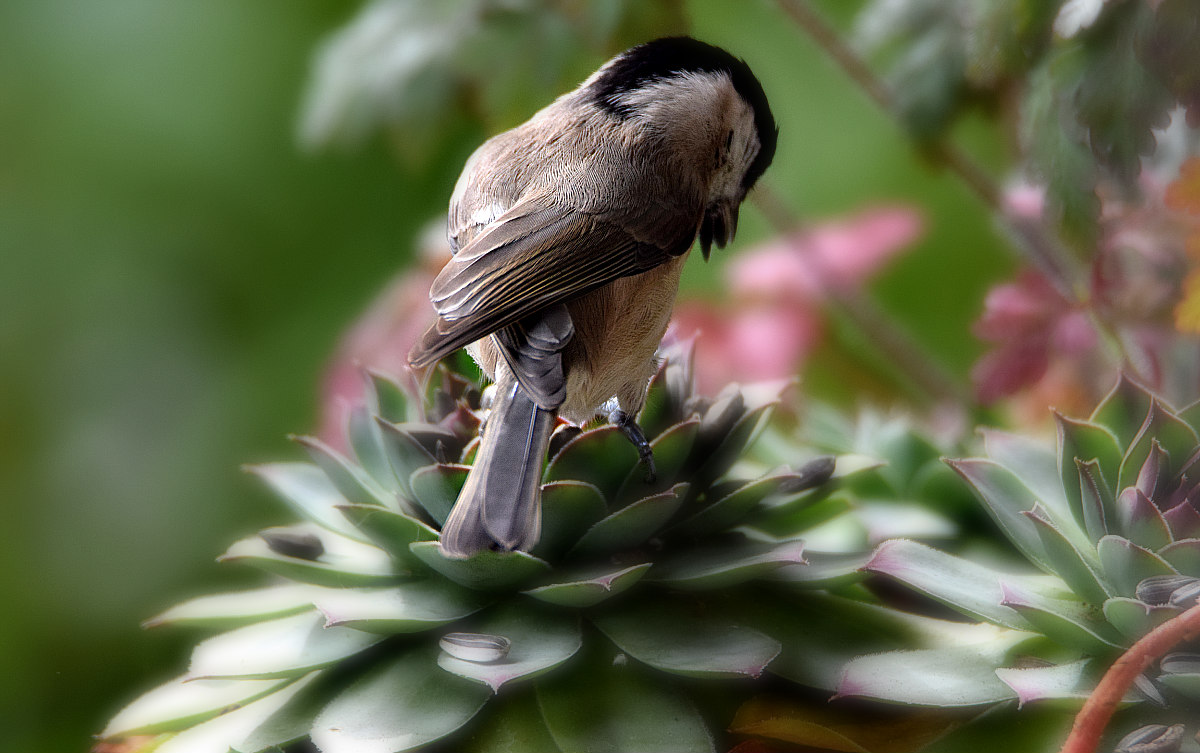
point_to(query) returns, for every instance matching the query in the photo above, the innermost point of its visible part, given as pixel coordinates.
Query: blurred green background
(175, 271)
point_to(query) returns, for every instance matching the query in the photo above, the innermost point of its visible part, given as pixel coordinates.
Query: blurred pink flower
(772, 319)
(380, 338)
(1046, 351)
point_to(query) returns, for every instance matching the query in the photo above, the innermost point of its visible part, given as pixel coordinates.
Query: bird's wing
(536, 255)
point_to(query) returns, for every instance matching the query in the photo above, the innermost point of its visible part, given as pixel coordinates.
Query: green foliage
(636, 592)
(1110, 520)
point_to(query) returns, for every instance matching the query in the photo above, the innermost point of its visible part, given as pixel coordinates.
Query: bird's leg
(630, 429)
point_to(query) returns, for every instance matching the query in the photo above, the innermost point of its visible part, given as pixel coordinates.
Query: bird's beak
(719, 226)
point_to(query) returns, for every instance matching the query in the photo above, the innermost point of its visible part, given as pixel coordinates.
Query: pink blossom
(772, 319)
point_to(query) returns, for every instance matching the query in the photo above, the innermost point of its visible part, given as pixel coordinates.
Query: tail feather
(500, 503)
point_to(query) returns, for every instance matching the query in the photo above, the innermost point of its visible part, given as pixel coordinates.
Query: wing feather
(534, 256)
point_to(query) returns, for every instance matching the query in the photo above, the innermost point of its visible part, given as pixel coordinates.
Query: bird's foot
(634, 433)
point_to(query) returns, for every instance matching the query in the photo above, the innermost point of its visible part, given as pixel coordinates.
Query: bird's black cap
(671, 56)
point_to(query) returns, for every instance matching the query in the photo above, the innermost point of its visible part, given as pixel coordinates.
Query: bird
(569, 233)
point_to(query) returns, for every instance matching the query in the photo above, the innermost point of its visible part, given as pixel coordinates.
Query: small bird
(569, 233)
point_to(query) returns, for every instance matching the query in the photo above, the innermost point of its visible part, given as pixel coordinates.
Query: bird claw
(634, 433)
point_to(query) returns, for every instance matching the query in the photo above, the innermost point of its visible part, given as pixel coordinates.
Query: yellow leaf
(1187, 313)
(857, 730)
(1183, 194)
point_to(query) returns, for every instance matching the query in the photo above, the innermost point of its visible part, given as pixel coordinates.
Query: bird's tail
(500, 503)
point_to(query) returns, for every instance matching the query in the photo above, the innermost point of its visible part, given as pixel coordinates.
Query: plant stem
(1093, 717)
(1047, 255)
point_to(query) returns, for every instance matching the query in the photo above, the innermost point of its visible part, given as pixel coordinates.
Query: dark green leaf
(484, 571)
(389, 530)
(344, 562)
(308, 491)
(729, 566)
(1126, 564)
(541, 640)
(402, 705)
(436, 487)
(284, 647)
(602, 457)
(350, 480)
(568, 509)
(667, 636)
(631, 525)
(623, 709)
(589, 588)
(228, 610)
(409, 607)
(184, 702)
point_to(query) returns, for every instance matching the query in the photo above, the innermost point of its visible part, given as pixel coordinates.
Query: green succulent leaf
(948, 676)
(1184, 521)
(729, 566)
(602, 457)
(351, 481)
(289, 724)
(1068, 623)
(541, 640)
(344, 562)
(1046, 683)
(1183, 555)
(436, 487)
(364, 437)
(409, 607)
(589, 588)
(389, 530)
(184, 702)
(665, 636)
(1078, 567)
(404, 453)
(1185, 683)
(401, 705)
(961, 584)
(627, 710)
(283, 647)
(309, 492)
(386, 398)
(228, 610)
(568, 509)
(1006, 500)
(1124, 409)
(1098, 505)
(820, 632)
(1140, 520)
(1084, 442)
(513, 724)
(1133, 618)
(715, 450)
(484, 571)
(737, 503)
(671, 450)
(234, 730)
(1160, 427)
(824, 569)
(1126, 564)
(1033, 462)
(631, 525)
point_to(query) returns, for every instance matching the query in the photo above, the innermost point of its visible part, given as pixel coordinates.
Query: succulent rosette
(1109, 524)
(638, 621)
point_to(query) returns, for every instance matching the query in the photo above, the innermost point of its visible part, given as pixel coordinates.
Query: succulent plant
(634, 624)
(1109, 521)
